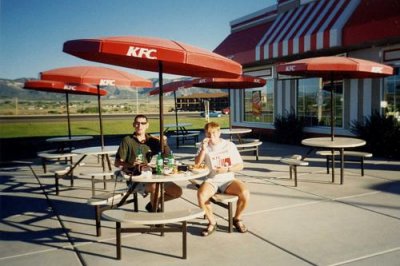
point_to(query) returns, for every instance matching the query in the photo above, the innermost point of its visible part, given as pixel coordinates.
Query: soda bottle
(159, 164)
(139, 155)
(171, 161)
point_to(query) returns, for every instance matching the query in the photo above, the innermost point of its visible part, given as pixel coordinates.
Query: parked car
(212, 114)
(226, 111)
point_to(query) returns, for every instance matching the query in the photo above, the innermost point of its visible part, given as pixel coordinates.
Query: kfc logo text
(142, 52)
(107, 82)
(376, 69)
(69, 87)
(290, 68)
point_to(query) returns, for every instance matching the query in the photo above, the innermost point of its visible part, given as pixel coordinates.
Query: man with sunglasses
(136, 151)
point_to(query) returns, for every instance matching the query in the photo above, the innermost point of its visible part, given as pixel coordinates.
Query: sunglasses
(140, 123)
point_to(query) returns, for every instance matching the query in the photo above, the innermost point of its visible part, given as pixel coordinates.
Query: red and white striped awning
(246, 33)
(313, 26)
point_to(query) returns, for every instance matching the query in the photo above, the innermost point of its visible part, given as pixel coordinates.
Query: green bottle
(171, 161)
(159, 164)
(139, 155)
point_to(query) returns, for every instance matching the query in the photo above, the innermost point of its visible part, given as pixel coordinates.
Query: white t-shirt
(224, 153)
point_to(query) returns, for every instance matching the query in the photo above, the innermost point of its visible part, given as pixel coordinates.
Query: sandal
(238, 224)
(210, 229)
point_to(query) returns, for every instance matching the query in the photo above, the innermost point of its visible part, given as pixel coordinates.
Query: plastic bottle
(159, 164)
(171, 161)
(139, 155)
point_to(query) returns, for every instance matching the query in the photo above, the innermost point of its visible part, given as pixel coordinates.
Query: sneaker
(119, 176)
(149, 208)
(138, 188)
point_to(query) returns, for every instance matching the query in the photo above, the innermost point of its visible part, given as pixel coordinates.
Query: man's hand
(204, 143)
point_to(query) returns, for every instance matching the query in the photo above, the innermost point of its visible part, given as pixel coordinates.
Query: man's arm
(202, 153)
(200, 157)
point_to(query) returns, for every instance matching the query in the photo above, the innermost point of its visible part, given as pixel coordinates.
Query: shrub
(382, 134)
(288, 128)
(89, 110)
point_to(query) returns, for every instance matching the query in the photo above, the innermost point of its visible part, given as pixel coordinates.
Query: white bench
(110, 200)
(61, 173)
(53, 155)
(149, 220)
(293, 162)
(224, 200)
(250, 146)
(64, 171)
(188, 135)
(358, 154)
(94, 179)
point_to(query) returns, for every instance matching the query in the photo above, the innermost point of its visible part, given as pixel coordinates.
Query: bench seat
(223, 200)
(94, 179)
(53, 155)
(250, 146)
(107, 201)
(61, 173)
(107, 198)
(294, 161)
(145, 219)
(64, 171)
(358, 154)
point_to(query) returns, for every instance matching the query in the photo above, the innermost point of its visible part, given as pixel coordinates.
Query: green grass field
(110, 127)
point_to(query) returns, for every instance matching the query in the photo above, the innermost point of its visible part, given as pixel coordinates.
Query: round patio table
(161, 179)
(62, 141)
(338, 143)
(104, 152)
(235, 132)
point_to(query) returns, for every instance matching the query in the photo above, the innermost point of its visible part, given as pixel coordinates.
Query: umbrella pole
(68, 119)
(160, 97)
(332, 110)
(176, 114)
(100, 118)
(230, 109)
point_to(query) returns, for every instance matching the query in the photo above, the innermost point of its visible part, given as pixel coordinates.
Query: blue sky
(33, 31)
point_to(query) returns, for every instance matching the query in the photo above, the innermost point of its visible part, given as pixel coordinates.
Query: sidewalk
(316, 223)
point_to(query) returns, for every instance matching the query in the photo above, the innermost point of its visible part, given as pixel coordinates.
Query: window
(259, 104)
(314, 102)
(392, 94)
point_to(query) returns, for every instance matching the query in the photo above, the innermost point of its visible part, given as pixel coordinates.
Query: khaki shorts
(219, 186)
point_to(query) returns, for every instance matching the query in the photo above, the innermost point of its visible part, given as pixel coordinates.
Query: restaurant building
(195, 102)
(296, 29)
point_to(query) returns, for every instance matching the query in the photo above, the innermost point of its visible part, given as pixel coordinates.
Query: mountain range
(13, 88)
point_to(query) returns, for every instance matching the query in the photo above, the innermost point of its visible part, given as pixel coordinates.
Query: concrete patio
(316, 223)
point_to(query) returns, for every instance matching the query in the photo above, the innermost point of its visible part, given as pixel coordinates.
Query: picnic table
(338, 143)
(66, 142)
(181, 133)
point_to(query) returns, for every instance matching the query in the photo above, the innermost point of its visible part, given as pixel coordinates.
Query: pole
(100, 118)
(137, 101)
(230, 109)
(68, 118)
(160, 97)
(176, 114)
(332, 109)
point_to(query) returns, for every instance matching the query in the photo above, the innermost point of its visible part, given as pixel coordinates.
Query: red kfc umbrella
(154, 54)
(242, 82)
(62, 87)
(99, 76)
(333, 68)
